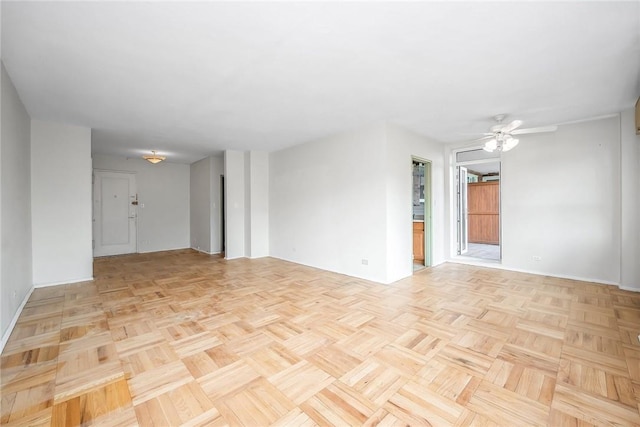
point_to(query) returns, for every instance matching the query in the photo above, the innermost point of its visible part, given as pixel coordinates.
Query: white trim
(205, 252)
(477, 162)
(157, 250)
(499, 266)
(471, 146)
(346, 274)
(66, 282)
(463, 259)
(14, 320)
(427, 211)
(627, 288)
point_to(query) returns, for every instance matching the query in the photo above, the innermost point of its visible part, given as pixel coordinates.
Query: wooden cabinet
(418, 242)
(483, 212)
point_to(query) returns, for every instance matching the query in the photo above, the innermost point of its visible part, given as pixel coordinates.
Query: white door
(463, 233)
(114, 213)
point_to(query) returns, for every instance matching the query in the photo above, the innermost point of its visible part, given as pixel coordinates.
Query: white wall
(258, 211)
(328, 203)
(402, 146)
(234, 177)
(247, 203)
(561, 202)
(61, 203)
(630, 194)
(201, 199)
(15, 202)
(163, 189)
(205, 204)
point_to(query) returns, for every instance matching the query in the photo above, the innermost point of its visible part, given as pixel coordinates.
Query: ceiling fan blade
(535, 130)
(474, 133)
(511, 126)
(489, 136)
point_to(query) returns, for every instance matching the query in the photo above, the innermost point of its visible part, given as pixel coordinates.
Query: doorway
(421, 213)
(478, 205)
(223, 218)
(115, 213)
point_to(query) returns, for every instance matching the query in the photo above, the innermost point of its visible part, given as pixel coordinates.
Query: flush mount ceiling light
(501, 136)
(154, 158)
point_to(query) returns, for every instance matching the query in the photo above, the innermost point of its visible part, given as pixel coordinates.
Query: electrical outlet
(537, 258)
(365, 262)
(638, 337)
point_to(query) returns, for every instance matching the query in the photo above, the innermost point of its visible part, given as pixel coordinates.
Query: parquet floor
(182, 338)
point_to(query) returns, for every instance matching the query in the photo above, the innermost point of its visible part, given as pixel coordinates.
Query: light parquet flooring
(182, 338)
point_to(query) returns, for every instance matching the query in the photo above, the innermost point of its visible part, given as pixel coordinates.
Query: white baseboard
(160, 250)
(205, 252)
(18, 312)
(497, 265)
(334, 271)
(66, 282)
(14, 320)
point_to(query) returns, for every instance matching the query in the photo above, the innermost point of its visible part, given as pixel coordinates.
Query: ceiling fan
(500, 136)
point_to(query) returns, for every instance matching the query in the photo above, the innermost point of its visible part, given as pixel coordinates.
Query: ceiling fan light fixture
(500, 144)
(154, 158)
(491, 145)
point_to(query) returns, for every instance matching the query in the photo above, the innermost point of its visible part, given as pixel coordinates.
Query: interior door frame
(455, 164)
(93, 208)
(462, 222)
(223, 218)
(428, 209)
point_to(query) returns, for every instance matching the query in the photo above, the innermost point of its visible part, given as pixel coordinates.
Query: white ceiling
(190, 79)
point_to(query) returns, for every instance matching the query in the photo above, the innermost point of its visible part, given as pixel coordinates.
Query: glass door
(463, 228)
